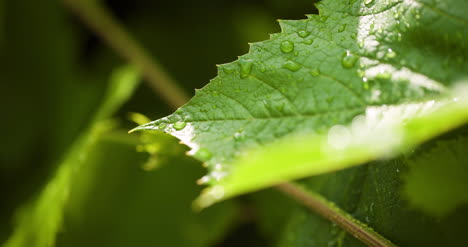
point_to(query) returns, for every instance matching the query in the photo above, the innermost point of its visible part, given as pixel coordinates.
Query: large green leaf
(381, 133)
(353, 58)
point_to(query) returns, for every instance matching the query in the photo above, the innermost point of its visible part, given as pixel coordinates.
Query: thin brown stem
(328, 210)
(98, 18)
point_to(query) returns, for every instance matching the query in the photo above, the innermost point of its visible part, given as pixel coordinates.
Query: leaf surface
(319, 73)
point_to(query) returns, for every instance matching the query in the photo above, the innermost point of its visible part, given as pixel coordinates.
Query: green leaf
(321, 72)
(374, 195)
(381, 133)
(437, 179)
(121, 205)
(38, 221)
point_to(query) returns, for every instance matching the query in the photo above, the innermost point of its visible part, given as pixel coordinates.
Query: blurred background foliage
(54, 75)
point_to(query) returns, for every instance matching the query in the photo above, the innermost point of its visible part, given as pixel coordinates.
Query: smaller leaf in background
(381, 132)
(437, 180)
(115, 203)
(38, 222)
(160, 146)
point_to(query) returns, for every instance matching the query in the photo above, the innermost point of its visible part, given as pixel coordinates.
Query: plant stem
(98, 18)
(330, 211)
(101, 21)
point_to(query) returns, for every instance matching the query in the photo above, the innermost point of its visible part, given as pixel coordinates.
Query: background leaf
(436, 180)
(39, 220)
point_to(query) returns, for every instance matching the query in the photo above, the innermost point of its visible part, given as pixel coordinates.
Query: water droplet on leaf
(368, 2)
(245, 67)
(292, 66)
(390, 53)
(342, 28)
(349, 60)
(228, 70)
(202, 154)
(384, 75)
(162, 126)
(179, 125)
(287, 46)
(315, 72)
(303, 33)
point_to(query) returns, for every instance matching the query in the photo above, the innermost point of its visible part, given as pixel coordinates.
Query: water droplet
(315, 72)
(368, 2)
(365, 83)
(384, 75)
(323, 18)
(179, 125)
(202, 154)
(390, 53)
(245, 67)
(292, 66)
(287, 46)
(239, 136)
(308, 42)
(303, 33)
(349, 60)
(162, 126)
(228, 70)
(342, 28)
(361, 44)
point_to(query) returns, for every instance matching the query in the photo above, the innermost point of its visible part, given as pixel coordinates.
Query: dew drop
(361, 44)
(228, 70)
(292, 66)
(239, 136)
(162, 126)
(179, 125)
(349, 60)
(323, 18)
(245, 67)
(384, 75)
(390, 53)
(303, 33)
(365, 83)
(308, 42)
(342, 28)
(202, 154)
(368, 2)
(287, 46)
(315, 72)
